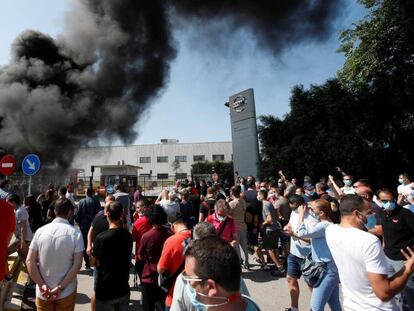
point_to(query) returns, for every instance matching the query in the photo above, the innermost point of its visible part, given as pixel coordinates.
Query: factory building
(168, 158)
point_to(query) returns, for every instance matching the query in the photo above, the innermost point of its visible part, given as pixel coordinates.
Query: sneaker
(265, 267)
(246, 266)
(280, 272)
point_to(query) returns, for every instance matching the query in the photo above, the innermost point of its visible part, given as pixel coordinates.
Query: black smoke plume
(96, 80)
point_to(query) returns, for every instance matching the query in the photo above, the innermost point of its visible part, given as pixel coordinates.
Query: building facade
(167, 158)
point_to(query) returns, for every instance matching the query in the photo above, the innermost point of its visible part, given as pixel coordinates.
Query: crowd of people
(193, 242)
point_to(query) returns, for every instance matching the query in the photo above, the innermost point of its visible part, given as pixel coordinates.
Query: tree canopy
(364, 119)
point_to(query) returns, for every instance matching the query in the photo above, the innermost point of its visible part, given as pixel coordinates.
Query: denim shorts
(293, 266)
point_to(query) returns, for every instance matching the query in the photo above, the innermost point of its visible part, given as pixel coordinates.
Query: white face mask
(192, 294)
(221, 218)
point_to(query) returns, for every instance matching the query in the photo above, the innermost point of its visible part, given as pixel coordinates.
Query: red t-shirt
(172, 257)
(141, 225)
(7, 227)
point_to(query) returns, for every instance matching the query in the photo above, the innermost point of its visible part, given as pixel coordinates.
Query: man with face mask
(212, 276)
(398, 227)
(299, 249)
(361, 262)
(270, 231)
(225, 226)
(310, 193)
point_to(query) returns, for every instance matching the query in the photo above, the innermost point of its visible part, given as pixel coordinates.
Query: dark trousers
(153, 298)
(85, 243)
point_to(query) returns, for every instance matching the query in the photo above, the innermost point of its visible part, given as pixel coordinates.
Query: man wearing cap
(310, 193)
(171, 262)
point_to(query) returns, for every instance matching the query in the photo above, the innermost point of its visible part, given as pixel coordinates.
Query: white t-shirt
(21, 216)
(56, 244)
(356, 253)
(404, 189)
(298, 247)
(171, 208)
(348, 190)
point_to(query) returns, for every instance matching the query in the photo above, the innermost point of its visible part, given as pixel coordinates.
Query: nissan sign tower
(244, 133)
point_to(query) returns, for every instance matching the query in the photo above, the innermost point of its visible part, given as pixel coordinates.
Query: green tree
(364, 120)
(223, 169)
(379, 70)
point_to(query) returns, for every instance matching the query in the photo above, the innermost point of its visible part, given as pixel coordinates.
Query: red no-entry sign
(7, 165)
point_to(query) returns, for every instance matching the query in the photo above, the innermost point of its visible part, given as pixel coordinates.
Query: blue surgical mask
(348, 182)
(371, 222)
(311, 193)
(192, 294)
(388, 206)
(221, 218)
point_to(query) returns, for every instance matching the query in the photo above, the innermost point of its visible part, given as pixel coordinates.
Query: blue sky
(191, 107)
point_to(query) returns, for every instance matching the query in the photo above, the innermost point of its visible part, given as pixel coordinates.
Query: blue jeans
(327, 291)
(117, 304)
(405, 299)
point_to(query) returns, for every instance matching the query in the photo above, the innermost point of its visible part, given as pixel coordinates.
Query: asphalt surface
(269, 292)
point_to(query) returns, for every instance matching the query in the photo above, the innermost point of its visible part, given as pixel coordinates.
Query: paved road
(269, 292)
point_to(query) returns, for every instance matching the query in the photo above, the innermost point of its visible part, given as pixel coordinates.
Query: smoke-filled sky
(204, 68)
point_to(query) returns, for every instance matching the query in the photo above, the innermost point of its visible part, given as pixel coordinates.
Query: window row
(183, 158)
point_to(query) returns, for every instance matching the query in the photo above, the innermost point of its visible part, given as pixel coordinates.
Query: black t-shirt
(100, 223)
(398, 229)
(195, 201)
(113, 249)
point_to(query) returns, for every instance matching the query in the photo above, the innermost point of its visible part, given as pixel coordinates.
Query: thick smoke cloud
(275, 25)
(98, 78)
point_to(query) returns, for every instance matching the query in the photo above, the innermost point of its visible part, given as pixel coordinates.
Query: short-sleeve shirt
(171, 208)
(140, 227)
(100, 224)
(113, 248)
(22, 219)
(269, 210)
(398, 227)
(238, 210)
(356, 253)
(402, 189)
(56, 244)
(149, 251)
(7, 227)
(172, 256)
(298, 247)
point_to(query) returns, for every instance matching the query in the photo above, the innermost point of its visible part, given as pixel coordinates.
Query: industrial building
(160, 161)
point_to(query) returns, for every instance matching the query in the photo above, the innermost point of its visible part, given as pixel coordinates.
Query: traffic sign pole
(30, 167)
(30, 185)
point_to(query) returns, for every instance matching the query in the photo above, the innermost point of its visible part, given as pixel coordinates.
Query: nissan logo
(239, 103)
